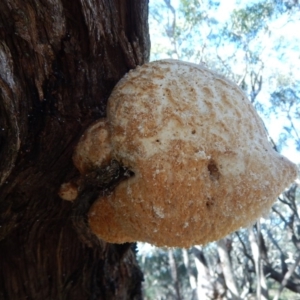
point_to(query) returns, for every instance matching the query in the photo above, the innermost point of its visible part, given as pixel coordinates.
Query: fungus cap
(202, 163)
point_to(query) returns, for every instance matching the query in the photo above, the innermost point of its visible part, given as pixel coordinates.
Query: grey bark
(174, 274)
(227, 269)
(261, 289)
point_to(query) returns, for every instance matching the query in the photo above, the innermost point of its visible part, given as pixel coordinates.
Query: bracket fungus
(202, 163)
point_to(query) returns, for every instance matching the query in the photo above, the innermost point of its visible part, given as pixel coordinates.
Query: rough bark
(59, 61)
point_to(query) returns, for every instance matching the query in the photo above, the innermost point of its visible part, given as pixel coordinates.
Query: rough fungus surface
(202, 163)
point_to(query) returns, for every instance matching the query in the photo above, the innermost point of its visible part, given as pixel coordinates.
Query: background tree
(261, 262)
(59, 61)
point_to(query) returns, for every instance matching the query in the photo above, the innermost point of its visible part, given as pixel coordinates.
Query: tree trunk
(262, 289)
(223, 245)
(59, 61)
(174, 274)
(206, 289)
(192, 277)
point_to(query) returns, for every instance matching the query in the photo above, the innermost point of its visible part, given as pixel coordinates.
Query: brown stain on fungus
(210, 203)
(213, 170)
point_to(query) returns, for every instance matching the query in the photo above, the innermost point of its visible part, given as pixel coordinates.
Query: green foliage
(158, 282)
(248, 21)
(192, 12)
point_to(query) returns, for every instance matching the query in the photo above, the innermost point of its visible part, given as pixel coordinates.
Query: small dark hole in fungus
(213, 170)
(209, 203)
(157, 141)
(193, 131)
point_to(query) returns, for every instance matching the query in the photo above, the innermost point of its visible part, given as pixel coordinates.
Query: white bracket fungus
(202, 163)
